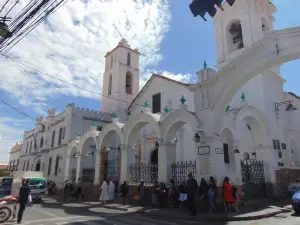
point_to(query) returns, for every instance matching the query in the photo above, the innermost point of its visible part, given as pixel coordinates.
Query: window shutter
(274, 144)
(226, 152)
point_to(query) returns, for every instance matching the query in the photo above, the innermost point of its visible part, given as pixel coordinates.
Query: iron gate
(180, 171)
(253, 178)
(146, 172)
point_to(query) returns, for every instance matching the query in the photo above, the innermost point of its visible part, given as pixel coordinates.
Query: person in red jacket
(228, 194)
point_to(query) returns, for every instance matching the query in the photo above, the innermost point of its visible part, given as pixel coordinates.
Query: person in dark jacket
(124, 191)
(203, 193)
(191, 191)
(24, 198)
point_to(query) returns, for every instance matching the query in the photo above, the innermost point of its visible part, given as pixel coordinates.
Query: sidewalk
(176, 214)
(253, 210)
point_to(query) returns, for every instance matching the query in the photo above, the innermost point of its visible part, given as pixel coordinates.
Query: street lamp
(289, 106)
(175, 140)
(74, 155)
(197, 138)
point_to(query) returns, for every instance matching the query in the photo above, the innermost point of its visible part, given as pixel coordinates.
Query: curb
(222, 218)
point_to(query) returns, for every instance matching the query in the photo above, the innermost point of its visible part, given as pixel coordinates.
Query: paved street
(52, 212)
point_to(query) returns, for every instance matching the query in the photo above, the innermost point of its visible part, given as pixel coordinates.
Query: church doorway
(154, 157)
(38, 166)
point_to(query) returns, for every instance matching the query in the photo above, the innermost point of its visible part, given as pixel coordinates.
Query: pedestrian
(104, 192)
(24, 198)
(111, 190)
(79, 190)
(203, 193)
(173, 194)
(183, 194)
(212, 194)
(142, 193)
(124, 192)
(66, 190)
(191, 191)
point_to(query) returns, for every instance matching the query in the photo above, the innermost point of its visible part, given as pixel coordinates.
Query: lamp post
(289, 106)
(197, 138)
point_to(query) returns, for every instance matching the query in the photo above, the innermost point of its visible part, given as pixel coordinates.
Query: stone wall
(284, 177)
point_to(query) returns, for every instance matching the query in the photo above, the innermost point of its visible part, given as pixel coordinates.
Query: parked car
(296, 202)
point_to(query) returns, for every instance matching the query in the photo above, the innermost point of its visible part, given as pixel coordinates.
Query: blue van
(5, 187)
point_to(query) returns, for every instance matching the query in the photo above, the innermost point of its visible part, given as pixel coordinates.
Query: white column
(78, 168)
(67, 168)
(163, 163)
(267, 154)
(97, 168)
(238, 169)
(124, 170)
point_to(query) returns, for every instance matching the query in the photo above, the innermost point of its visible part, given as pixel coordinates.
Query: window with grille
(128, 83)
(53, 138)
(49, 166)
(30, 146)
(109, 84)
(42, 142)
(56, 165)
(156, 103)
(64, 133)
(128, 59)
(111, 61)
(226, 152)
(59, 136)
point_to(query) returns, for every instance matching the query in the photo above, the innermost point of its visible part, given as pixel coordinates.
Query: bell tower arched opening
(234, 36)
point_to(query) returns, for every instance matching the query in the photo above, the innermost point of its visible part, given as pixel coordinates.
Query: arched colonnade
(165, 127)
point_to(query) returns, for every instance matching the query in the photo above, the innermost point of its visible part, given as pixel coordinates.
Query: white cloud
(185, 78)
(11, 131)
(76, 52)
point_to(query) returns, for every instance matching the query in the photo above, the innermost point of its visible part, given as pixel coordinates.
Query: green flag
(243, 96)
(227, 108)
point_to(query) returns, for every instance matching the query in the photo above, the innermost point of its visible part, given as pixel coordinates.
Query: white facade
(14, 156)
(44, 147)
(241, 106)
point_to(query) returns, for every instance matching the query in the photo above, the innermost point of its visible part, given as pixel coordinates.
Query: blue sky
(176, 44)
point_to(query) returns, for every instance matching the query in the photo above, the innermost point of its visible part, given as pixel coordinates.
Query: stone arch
(132, 127)
(71, 147)
(228, 147)
(175, 120)
(234, 36)
(274, 49)
(87, 135)
(108, 131)
(258, 124)
(128, 83)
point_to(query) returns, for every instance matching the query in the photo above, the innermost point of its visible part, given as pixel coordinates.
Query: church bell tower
(120, 79)
(239, 26)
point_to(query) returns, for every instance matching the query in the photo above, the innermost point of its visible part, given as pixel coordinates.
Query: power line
(21, 64)
(14, 108)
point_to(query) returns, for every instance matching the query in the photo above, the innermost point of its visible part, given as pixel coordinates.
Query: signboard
(204, 164)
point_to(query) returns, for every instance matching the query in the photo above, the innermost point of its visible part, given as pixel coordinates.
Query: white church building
(236, 121)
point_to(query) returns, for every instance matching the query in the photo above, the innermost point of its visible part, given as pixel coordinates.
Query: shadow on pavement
(79, 209)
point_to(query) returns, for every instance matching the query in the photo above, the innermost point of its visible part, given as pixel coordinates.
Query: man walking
(24, 198)
(191, 190)
(124, 191)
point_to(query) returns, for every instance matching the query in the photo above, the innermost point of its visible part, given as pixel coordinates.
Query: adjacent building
(14, 156)
(44, 147)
